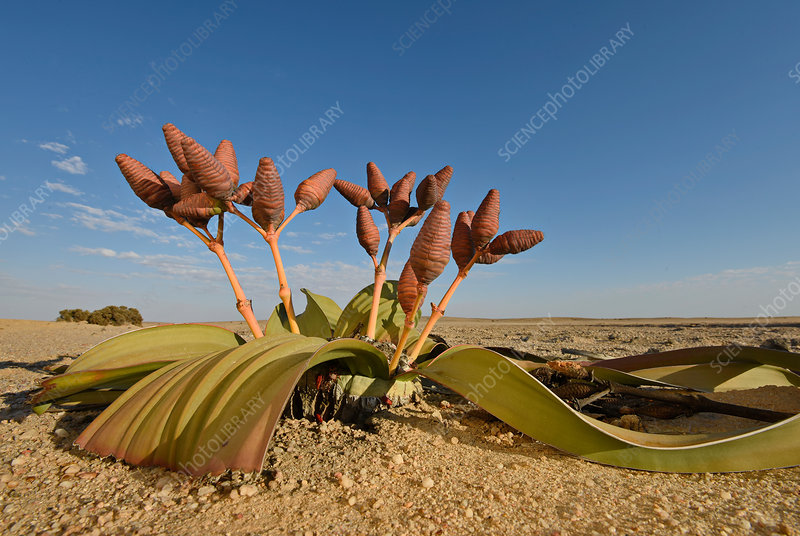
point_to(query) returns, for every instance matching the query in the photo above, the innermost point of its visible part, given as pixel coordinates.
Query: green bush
(73, 315)
(116, 315)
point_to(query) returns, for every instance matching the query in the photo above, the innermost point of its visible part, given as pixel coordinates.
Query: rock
(397, 459)
(454, 440)
(247, 490)
(66, 484)
(777, 343)
(468, 512)
(206, 490)
(427, 482)
(60, 432)
(88, 475)
(72, 469)
(725, 495)
(234, 495)
(346, 482)
(351, 501)
(21, 460)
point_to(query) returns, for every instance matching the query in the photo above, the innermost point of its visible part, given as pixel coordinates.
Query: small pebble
(468, 512)
(247, 490)
(351, 501)
(346, 482)
(427, 482)
(454, 440)
(725, 495)
(206, 490)
(397, 459)
(60, 432)
(72, 469)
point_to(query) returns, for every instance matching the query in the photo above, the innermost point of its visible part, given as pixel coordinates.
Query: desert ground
(438, 467)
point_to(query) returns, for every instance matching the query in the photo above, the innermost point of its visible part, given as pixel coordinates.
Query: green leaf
(156, 344)
(391, 318)
(707, 368)
(217, 412)
(318, 320)
(505, 390)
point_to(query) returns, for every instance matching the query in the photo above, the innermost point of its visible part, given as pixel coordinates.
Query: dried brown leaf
(312, 192)
(430, 252)
(197, 208)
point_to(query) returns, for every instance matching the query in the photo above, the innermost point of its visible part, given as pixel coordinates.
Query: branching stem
(407, 327)
(380, 279)
(437, 311)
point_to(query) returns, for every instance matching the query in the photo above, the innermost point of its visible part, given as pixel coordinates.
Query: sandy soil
(442, 467)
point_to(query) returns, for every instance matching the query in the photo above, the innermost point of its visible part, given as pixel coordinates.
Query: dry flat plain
(440, 467)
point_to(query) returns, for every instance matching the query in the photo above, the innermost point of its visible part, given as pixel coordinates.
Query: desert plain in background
(486, 477)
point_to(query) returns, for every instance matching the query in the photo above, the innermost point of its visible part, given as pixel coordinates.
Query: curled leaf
(357, 195)
(188, 186)
(174, 136)
(197, 208)
(407, 289)
(430, 252)
(428, 192)
(400, 198)
(145, 183)
(227, 156)
(244, 194)
(488, 258)
(172, 183)
(268, 203)
(377, 185)
(312, 192)
(462, 246)
(368, 235)
(443, 177)
(512, 242)
(207, 171)
(486, 221)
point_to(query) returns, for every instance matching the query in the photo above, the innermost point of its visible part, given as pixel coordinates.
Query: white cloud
(73, 165)
(24, 230)
(103, 252)
(52, 216)
(56, 147)
(98, 219)
(295, 249)
(133, 120)
(184, 268)
(2, 177)
(61, 187)
(331, 236)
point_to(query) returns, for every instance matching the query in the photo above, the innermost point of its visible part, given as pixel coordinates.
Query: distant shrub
(116, 315)
(73, 315)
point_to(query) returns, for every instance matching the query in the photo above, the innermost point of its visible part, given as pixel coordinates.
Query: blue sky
(665, 183)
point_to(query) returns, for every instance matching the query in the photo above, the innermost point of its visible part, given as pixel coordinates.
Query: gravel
(439, 467)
